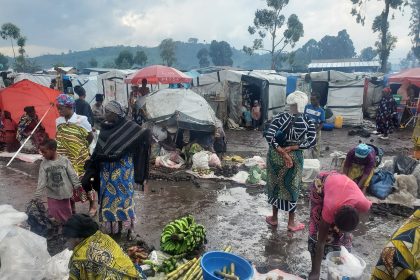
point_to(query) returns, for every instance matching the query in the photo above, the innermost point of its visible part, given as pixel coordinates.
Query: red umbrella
(158, 74)
(410, 75)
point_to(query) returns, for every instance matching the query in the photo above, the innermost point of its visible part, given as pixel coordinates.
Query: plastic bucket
(332, 275)
(338, 122)
(328, 127)
(213, 261)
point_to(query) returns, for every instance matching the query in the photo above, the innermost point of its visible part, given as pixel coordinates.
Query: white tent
(182, 106)
(112, 85)
(223, 90)
(89, 83)
(41, 79)
(344, 94)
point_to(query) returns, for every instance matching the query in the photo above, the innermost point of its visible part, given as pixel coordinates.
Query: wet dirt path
(233, 215)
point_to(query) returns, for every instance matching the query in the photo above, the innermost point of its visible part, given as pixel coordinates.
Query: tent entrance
(321, 88)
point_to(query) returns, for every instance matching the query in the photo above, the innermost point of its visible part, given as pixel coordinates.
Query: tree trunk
(384, 54)
(14, 55)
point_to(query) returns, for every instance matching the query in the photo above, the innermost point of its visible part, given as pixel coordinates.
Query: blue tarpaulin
(291, 84)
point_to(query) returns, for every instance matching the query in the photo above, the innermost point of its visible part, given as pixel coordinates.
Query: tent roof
(410, 75)
(27, 93)
(342, 64)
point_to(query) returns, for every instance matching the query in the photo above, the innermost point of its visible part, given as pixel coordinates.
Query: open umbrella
(181, 106)
(158, 74)
(410, 75)
(26, 93)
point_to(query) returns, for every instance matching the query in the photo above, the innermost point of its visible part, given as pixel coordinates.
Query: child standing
(58, 178)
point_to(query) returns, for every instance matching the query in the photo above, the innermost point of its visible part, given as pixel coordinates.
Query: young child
(58, 178)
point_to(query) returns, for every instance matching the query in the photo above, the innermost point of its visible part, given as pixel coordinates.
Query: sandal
(269, 220)
(299, 227)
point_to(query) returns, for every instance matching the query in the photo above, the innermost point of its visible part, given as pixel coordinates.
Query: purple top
(368, 162)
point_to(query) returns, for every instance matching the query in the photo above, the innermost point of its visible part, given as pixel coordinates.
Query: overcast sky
(58, 26)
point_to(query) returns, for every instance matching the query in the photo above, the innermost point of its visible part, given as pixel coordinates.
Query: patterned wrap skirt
(284, 184)
(116, 193)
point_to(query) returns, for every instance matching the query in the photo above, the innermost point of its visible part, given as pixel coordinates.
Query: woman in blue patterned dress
(386, 115)
(122, 156)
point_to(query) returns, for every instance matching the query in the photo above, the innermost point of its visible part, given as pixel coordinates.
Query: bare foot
(271, 221)
(296, 227)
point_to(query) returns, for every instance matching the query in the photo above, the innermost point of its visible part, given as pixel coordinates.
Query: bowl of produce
(222, 265)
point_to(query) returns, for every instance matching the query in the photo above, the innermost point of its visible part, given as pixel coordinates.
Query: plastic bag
(404, 165)
(214, 161)
(23, 254)
(381, 184)
(58, 266)
(344, 264)
(171, 160)
(254, 175)
(201, 160)
(256, 160)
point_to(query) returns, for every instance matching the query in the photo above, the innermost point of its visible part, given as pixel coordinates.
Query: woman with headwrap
(287, 135)
(74, 135)
(95, 255)
(122, 154)
(360, 165)
(386, 114)
(26, 125)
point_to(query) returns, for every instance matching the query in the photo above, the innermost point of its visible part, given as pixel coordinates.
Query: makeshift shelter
(41, 79)
(181, 106)
(26, 93)
(224, 90)
(89, 83)
(112, 85)
(373, 95)
(343, 93)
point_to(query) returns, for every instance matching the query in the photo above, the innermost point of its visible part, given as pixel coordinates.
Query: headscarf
(80, 226)
(387, 90)
(65, 100)
(99, 97)
(116, 108)
(362, 151)
(299, 98)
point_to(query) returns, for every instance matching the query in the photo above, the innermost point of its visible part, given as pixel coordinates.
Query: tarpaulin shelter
(410, 75)
(26, 93)
(112, 86)
(156, 74)
(181, 106)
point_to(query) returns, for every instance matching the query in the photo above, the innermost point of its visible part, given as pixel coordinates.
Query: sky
(53, 27)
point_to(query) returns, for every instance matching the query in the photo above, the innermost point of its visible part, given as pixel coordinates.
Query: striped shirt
(303, 131)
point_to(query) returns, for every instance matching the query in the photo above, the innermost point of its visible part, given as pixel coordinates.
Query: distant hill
(186, 55)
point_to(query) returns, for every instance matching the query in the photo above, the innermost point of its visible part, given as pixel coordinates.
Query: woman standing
(122, 152)
(287, 135)
(27, 124)
(74, 135)
(386, 115)
(336, 202)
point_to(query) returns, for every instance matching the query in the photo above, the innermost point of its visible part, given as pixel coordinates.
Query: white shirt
(76, 119)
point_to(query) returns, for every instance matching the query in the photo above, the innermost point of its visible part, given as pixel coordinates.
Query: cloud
(59, 26)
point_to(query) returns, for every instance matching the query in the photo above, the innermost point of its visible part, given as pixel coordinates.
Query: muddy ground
(233, 214)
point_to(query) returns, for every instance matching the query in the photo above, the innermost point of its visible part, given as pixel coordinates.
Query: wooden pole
(32, 133)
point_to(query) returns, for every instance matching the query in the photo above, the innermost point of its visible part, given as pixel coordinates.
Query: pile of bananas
(182, 236)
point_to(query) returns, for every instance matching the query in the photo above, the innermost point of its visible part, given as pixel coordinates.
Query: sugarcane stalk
(181, 271)
(195, 273)
(190, 271)
(226, 276)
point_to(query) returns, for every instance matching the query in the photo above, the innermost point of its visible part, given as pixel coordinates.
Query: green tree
(58, 64)
(109, 64)
(10, 31)
(4, 61)
(368, 54)
(300, 58)
(336, 47)
(221, 53)
(81, 65)
(410, 61)
(203, 57)
(271, 21)
(167, 51)
(415, 27)
(93, 62)
(193, 40)
(124, 60)
(140, 58)
(380, 25)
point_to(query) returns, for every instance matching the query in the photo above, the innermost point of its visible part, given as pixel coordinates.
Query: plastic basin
(213, 261)
(331, 265)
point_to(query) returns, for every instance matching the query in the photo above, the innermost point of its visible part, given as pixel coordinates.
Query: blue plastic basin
(328, 126)
(213, 261)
